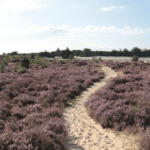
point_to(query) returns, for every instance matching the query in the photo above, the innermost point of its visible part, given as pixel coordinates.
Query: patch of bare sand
(85, 133)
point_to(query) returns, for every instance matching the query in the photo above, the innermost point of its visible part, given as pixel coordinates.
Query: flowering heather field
(32, 100)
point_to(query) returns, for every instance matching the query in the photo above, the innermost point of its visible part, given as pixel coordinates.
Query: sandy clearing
(85, 133)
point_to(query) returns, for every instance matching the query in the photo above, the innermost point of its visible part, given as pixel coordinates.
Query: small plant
(75, 67)
(133, 65)
(32, 56)
(37, 60)
(110, 61)
(70, 57)
(62, 62)
(4, 62)
(2, 67)
(54, 61)
(135, 58)
(25, 62)
(100, 59)
(15, 69)
(44, 64)
(22, 70)
(96, 61)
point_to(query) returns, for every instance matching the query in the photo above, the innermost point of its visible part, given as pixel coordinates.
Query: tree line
(88, 53)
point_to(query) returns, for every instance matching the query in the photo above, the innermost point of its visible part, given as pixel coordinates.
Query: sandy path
(85, 133)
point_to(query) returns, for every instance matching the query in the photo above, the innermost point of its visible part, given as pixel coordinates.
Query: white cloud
(110, 8)
(52, 30)
(20, 5)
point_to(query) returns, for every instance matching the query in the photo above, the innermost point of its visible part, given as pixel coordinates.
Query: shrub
(32, 56)
(15, 69)
(96, 61)
(135, 58)
(25, 62)
(4, 61)
(44, 65)
(2, 67)
(62, 62)
(100, 59)
(22, 70)
(37, 60)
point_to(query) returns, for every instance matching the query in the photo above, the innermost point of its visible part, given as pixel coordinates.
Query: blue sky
(30, 26)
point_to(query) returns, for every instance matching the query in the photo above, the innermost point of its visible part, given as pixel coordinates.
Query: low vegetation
(35, 91)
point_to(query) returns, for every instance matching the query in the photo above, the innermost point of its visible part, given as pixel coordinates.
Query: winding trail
(85, 133)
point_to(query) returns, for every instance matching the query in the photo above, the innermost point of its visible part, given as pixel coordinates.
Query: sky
(28, 26)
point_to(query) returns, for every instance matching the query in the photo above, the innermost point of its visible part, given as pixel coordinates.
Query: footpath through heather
(85, 133)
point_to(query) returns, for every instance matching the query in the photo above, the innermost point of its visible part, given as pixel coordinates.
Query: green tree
(66, 53)
(87, 52)
(58, 52)
(136, 51)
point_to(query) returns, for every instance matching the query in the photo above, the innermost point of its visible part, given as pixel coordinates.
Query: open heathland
(34, 98)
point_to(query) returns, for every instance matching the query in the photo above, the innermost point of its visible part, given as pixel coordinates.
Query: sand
(85, 133)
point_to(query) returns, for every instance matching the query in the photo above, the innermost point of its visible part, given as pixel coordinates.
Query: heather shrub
(2, 126)
(54, 112)
(5, 110)
(11, 94)
(34, 108)
(24, 100)
(40, 87)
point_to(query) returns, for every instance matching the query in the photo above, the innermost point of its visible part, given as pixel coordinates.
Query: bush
(15, 69)
(44, 65)
(100, 59)
(25, 62)
(62, 62)
(135, 58)
(32, 56)
(37, 60)
(2, 68)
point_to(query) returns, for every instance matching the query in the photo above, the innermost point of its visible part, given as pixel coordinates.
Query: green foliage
(25, 62)
(44, 65)
(20, 69)
(62, 62)
(70, 57)
(110, 61)
(54, 61)
(32, 56)
(2, 67)
(4, 62)
(15, 69)
(100, 59)
(6, 58)
(37, 59)
(96, 61)
(135, 58)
